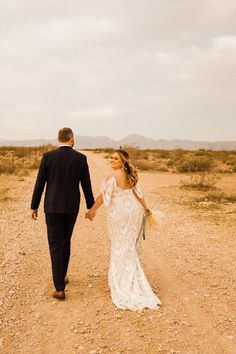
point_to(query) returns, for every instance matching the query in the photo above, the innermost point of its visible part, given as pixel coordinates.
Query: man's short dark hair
(65, 134)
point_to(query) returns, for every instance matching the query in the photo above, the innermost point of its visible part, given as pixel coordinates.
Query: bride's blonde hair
(130, 170)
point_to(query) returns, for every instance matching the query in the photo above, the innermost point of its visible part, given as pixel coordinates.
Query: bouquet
(154, 219)
(151, 221)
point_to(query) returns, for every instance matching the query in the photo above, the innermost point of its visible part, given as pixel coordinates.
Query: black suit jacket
(62, 170)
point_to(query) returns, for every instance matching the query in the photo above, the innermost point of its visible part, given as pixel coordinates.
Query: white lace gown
(127, 281)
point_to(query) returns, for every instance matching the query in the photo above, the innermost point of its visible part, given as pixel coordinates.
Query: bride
(124, 201)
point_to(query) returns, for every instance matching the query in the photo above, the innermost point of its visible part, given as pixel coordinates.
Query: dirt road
(190, 265)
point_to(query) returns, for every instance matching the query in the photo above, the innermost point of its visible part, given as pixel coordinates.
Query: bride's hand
(147, 211)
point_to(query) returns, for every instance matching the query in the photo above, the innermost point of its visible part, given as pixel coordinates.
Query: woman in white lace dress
(124, 203)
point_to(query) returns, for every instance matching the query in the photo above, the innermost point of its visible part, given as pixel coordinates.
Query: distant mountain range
(138, 140)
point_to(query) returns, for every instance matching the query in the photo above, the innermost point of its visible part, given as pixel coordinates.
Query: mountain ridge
(132, 139)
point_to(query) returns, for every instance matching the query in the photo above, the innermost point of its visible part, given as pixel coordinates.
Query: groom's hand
(89, 215)
(34, 214)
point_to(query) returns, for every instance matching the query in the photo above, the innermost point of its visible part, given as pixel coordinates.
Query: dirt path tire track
(183, 263)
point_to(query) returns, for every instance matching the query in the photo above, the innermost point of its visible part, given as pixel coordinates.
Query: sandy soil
(190, 265)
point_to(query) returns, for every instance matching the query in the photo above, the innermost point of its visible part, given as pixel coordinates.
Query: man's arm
(39, 187)
(86, 186)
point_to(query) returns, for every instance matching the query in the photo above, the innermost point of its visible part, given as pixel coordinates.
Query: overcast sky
(160, 68)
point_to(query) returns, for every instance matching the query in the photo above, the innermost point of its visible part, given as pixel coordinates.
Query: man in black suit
(62, 170)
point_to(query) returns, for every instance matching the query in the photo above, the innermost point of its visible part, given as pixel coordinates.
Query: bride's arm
(100, 199)
(98, 202)
(142, 202)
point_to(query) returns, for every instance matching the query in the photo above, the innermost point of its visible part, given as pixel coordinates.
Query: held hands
(90, 215)
(92, 211)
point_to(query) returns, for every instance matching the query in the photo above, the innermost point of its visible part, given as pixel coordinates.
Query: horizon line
(117, 140)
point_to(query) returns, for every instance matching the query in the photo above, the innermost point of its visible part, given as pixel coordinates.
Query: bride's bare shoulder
(117, 174)
(109, 175)
(120, 177)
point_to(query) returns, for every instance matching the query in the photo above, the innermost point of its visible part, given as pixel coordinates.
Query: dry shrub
(135, 153)
(179, 160)
(100, 150)
(18, 160)
(35, 163)
(195, 164)
(200, 181)
(178, 154)
(3, 194)
(145, 165)
(200, 152)
(162, 154)
(226, 170)
(7, 169)
(23, 172)
(218, 197)
(231, 198)
(170, 163)
(162, 169)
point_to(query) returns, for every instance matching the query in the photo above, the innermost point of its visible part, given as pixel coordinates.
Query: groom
(62, 170)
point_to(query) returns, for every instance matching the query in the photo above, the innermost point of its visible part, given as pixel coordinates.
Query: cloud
(163, 69)
(94, 115)
(225, 42)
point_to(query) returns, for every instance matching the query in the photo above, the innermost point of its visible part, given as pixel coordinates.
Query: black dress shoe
(59, 295)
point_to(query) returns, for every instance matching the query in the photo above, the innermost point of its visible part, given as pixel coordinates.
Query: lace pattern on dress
(106, 190)
(127, 282)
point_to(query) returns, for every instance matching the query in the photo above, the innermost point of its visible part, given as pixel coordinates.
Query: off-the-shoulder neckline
(113, 177)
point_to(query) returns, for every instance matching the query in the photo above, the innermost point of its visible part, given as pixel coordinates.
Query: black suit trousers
(59, 230)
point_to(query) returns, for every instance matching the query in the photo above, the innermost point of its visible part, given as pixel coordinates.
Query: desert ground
(190, 263)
